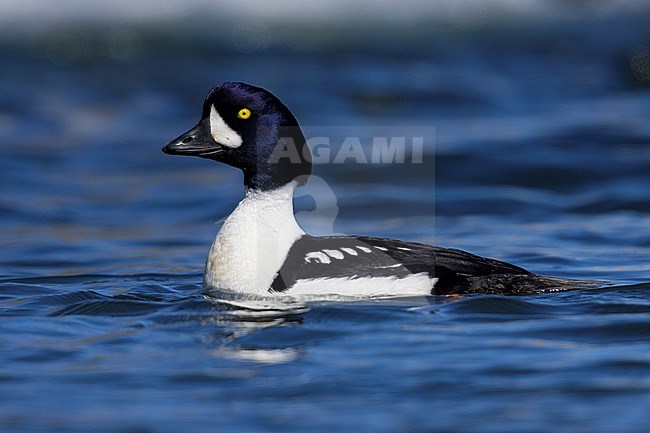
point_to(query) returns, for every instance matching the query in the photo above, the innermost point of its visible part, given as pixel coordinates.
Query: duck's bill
(196, 142)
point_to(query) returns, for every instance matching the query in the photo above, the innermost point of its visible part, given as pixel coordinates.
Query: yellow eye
(244, 113)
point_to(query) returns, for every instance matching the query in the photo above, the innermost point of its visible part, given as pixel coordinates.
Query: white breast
(253, 242)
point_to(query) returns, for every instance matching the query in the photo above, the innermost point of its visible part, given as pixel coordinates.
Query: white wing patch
(388, 266)
(364, 249)
(336, 254)
(382, 248)
(404, 248)
(221, 132)
(318, 256)
(350, 251)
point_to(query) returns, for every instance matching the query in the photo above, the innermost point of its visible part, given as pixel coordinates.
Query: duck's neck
(254, 242)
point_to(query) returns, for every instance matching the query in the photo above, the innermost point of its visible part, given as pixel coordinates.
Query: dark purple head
(249, 128)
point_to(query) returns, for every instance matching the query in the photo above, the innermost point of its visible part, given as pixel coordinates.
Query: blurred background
(541, 113)
(540, 110)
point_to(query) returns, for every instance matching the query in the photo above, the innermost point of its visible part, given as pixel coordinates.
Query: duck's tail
(522, 284)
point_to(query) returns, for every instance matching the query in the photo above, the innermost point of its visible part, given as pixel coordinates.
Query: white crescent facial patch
(221, 132)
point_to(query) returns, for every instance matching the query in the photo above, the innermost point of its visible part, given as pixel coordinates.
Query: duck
(261, 249)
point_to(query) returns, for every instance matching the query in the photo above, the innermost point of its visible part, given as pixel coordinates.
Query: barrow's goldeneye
(261, 249)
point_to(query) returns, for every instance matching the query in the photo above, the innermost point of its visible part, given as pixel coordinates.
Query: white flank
(221, 132)
(253, 242)
(416, 284)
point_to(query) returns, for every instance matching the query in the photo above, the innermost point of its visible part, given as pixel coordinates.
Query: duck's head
(249, 128)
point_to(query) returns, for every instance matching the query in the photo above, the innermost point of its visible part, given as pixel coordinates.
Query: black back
(390, 257)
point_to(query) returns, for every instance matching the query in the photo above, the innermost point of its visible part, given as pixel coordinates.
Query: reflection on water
(260, 355)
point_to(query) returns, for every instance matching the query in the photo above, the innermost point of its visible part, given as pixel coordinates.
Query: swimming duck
(261, 249)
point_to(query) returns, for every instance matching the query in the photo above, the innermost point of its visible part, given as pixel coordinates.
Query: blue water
(541, 158)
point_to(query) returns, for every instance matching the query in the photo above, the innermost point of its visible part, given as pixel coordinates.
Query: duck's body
(262, 250)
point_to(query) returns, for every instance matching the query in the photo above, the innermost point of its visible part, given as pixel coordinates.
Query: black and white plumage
(262, 250)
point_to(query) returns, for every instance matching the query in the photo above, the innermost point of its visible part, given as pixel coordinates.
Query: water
(541, 158)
